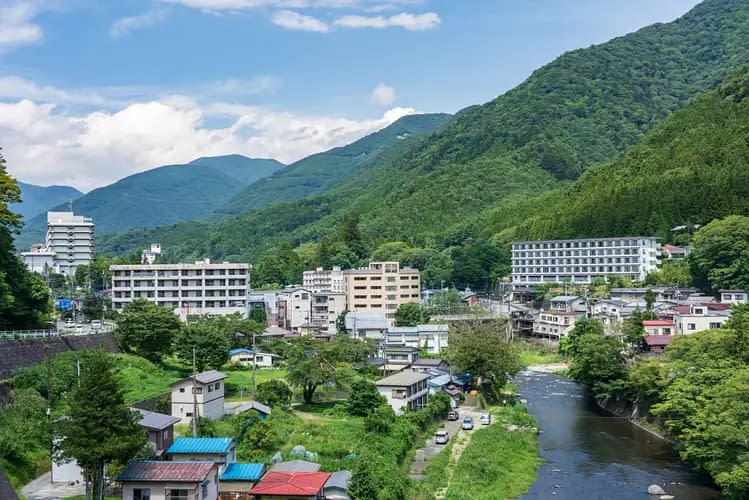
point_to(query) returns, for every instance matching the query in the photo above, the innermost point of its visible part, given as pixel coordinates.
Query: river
(589, 454)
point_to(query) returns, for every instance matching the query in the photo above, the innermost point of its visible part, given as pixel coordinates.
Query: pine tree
(99, 427)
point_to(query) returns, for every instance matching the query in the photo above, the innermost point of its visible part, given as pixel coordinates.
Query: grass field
(242, 379)
(539, 356)
(142, 379)
(497, 464)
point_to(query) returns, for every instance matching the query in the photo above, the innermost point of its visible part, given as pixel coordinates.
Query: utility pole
(194, 398)
(254, 363)
(78, 370)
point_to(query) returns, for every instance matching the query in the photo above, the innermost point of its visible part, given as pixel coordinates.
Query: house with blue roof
(238, 479)
(222, 451)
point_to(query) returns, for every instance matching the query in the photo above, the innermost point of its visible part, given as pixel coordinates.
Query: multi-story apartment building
(71, 238)
(192, 289)
(306, 311)
(321, 280)
(381, 287)
(584, 260)
(432, 338)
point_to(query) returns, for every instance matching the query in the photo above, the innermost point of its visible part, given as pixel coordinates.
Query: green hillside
(162, 195)
(38, 199)
(321, 172)
(484, 165)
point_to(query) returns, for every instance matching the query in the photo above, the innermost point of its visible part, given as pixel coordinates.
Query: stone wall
(17, 354)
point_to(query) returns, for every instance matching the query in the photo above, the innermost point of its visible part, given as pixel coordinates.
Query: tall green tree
(597, 362)
(99, 427)
(363, 398)
(310, 364)
(147, 329)
(274, 393)
(720, 254)
(207, 339)
(410, 314)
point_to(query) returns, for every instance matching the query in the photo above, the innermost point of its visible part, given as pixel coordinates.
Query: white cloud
(126, 25)
(291, 20)
(411, 22)
(213, 5)
(16, 27)
(383, 94)
(46, 144)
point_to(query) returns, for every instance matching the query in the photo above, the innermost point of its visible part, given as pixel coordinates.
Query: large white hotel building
(583, 260)
(191, 289)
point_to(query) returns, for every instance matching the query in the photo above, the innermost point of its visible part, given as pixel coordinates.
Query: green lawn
(539, 356)
(242, 379)
(497, 464)
(142, 379)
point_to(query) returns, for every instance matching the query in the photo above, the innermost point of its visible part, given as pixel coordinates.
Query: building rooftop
(564, 298)
(428, 362)
(657, 322)
(156, 421)
(166, 471)
(418, 329)
(439, 381)
(307, 484)
(201, 445)
(658, 340)
(242, 472)
(205, 378)
(295, 466)
(338, 479)
(402, 379)
(253, 405)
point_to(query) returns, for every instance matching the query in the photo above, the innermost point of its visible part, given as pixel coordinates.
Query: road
(42, 488)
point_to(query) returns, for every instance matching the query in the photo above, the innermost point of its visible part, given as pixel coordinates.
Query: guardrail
(28, 334)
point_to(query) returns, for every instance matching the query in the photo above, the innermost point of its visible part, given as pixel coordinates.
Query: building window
(713, 326)
(175, 494)
(181, 389)
(210, 388)
(142, 494)
(691, 326)
(218, 385)
(198, 390)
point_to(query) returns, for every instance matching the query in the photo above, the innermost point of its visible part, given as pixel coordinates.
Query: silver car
(441, 437)
(467, 424)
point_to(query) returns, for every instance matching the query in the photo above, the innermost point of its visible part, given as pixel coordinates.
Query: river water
(589, 454)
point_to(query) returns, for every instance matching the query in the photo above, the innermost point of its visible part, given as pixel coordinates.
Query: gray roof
(253, 405)
(295, 466)
(205, 377)
(338, 479)
(427, 362)
(564, 298)
(402, 379)
(366, 321)
(275, 331)
(153, 420)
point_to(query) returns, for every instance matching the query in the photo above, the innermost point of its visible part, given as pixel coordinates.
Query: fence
(28, 334)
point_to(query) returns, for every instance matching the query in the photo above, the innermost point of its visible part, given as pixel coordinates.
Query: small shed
(238, 479)
(336, 487)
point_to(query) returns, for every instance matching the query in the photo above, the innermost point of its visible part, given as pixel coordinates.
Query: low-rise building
(367, 325)
(209, 396)
(399, 357)
(242, 356)
(734, 296)
(238, 479)
(695, 318)
(160, 429)
(291, 485)
(157, 480)
(568, 303)
(429, 365)
(553, 325)
(40, 260)
(405, 391)
(658, 326)
(336, 487)
(672, 252)
(221, 451)
(431, 338)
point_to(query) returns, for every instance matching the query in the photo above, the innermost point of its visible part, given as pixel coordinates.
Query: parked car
(468, 424)
(441, 437)
(96, 324)
(69, 323)
(485, 419)
(453, 415)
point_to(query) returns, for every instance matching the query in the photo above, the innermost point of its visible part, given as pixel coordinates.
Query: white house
(432, 338)
(699, 317)
(151, 480)
(734, 296)
(553, 325)
(209, 394)
(367, 325)
(244, 357)
(406, 390)
(568, 303)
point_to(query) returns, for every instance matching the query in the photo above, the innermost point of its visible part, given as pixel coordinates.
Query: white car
(467, 424)
(441, 437)
(485, 419)
(96, 324)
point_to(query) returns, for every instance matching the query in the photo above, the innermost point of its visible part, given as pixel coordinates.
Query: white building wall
(71, 238)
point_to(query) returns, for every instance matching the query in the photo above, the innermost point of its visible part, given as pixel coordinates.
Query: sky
(94, 90)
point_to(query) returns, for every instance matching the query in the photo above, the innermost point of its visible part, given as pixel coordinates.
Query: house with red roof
(157, 480)
(658, 326)
(656, 343)
(291, 486)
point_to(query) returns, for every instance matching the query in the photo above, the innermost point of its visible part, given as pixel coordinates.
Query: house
(367, 325)
(221, 451)
(431, 338)
(444, 383)
(695, 318)
(672, 252)
(656, 343)
(262, 410)
(734, 296)
(660, 293)
(336, 487)
(404, 391)
(244, 356)
(291, 485)
(273, 333)
(553, 325)
(424, 365)
(157, 480)
(209, 396)
(568, 303)
(399, 357)
(658, 326)
(160, 429)
(295, 466)
(469, 297)
(237, 480)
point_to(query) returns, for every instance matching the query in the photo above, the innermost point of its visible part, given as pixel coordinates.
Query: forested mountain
(38, 199)
(163, 195)
(321, 172)
(439, 192)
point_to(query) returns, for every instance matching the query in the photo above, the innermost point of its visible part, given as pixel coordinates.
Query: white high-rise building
(192, 289)
(71, 238)
(583, 260)
(321, 280)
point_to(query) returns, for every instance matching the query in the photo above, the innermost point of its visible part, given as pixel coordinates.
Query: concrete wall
(17, 354)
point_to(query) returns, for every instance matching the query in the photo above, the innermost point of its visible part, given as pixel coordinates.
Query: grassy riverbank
(539, 356)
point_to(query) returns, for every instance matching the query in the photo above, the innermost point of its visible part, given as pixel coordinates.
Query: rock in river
(654, 489)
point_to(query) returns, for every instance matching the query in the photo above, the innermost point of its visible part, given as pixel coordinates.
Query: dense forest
(492, 166)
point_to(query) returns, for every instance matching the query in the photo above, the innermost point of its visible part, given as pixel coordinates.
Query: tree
(649, 299)
(274, 393)
(363, 483)
(351, 236)
(632, 329)
(25, 425)
(310, 364)
(364, 398)
(583, 326)
(410, 314)
(447, 302)
(207, 340)
(482, 349)
(99, 427)
(147, 329)
(340, 322)
(258, 315)
(597, 362)
(380, 420)
(720, 254)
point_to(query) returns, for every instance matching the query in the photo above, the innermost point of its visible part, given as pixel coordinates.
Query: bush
(380, 420)
(364, 398)
(274, 393)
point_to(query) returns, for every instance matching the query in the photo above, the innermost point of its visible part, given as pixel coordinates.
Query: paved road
(42, 488)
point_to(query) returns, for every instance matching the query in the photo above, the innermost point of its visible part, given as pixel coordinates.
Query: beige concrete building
(192, 289)
(381, 287)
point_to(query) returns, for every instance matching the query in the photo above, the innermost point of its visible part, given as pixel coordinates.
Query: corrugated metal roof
(201, 445)
(338, 479)
(295, 466)
(166, 471)
(402, 379)
(439, 381)
(242, 472)
(153, 420)
(291, 483)
(205, 377)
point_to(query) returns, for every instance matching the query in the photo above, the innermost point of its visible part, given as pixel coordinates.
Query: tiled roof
(291, 483)
(295, 466)
(242, 472)
(201, 445)
(157, 421)
(166, 471)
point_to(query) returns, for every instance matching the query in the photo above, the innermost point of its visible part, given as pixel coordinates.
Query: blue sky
(93, 90)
